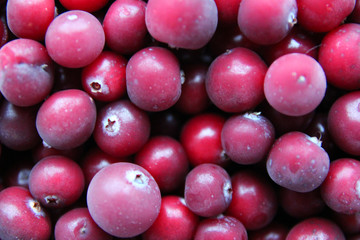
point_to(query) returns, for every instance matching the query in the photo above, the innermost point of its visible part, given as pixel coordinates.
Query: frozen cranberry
(104, 79)
(297, 41)
(315, 228)
(26, 72)
(349, 223)
(182, 24)
(343, 122)
(208, 190)
(228, 11)
(56, 181)
(341, 188)
(131, 191)
(121, 128)
(298, 162)
(94, 160)
(272, 231)
(254, 201)
(21, 216)
(247, 138)
(124, 26)
(301, 205)
(75, 31)
(295, 89)
(338, 56)
(17, 126)
(266, 22)
(221, 227)
(165, 159)
(86, 5)
(66, 119)
(78, 224)
(153, 79)
(193, 98)
(201, 139)
(175, 221)
(235, 80)
(323, 15)
(30, 19)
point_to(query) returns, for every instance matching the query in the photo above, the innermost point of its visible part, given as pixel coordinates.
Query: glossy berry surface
(22, 217)
(66, 119)
(235, 80)
(153, 79)
(208, 190)
(341, 188)
(78, 224)
(247, 138)
(129, 189)
(26, 72)
(56, 181)
(221, 227)
(295, 89)
(182, 24)
(175, 221)
(69, 34)
(297, 162)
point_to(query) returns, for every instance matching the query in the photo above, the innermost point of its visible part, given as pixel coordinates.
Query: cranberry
(104, 78)
(338, 58)
(221, 227)
(349, 223)
(341, 188)
(343, 122)
(4, 32)
(323, 15)
(247, 138)
(235, 80)
(21, 216)
(78, 224)
(86, 5)
(273, 231)
(124, 26)
(175, 221)
(295, 89)
(56, 181)
(208, 190)
(26, 72)
(254, 201)
(69, 33)
(30, 19)
(124, 199)
(355, 14)
(18, 174)
(227, 11)
(201, 139)
(17, 126)
(315, 228)
(265, 21)
(153, 79)
(297, 161)
(66, 119)
(166, 160)
(187, 24)
(121, 128)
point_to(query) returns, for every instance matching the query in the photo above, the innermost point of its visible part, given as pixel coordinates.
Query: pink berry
(265, 21)
(75, 31)
(124, 199)
(85, 5)
(297, 161)
(56, 181)
(185, 24)
(21, 216)
(208, 190)
(153, 79)
(292, 88)
(66, 119)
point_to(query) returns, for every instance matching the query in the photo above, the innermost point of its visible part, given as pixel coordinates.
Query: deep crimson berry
(227, 11)
(86, 5)
(175, 221)
(272, 231)
(21, 216)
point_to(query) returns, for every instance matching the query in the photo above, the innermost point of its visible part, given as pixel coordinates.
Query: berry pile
(180, 119)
